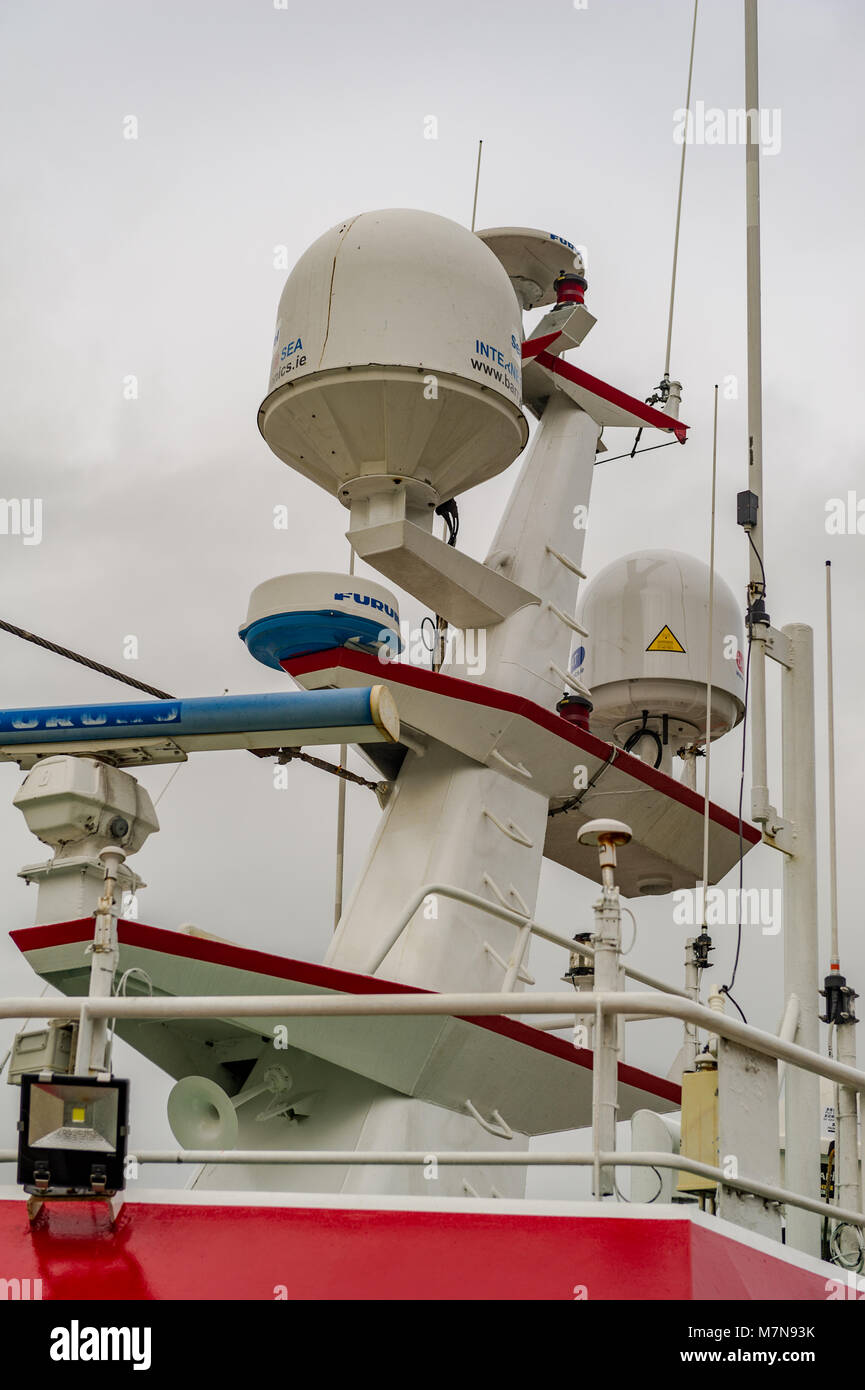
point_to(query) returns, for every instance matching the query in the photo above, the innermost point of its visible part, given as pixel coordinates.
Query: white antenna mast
(756, 576)
(834, 952)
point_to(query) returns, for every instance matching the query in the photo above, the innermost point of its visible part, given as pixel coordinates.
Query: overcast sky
(258, 128)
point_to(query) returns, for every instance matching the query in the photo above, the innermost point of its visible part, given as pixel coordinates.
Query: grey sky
(260, 128)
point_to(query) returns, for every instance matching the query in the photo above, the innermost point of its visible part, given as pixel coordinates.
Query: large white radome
(626, 609)
(397, 352)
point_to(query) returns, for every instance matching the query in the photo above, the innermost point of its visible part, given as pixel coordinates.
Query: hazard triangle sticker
(665, 641)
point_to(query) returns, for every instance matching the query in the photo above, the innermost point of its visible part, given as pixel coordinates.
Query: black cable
(725, 989)
(647, 450)
(432, 623)
(759, 560)
(450, 514)
(84, 661)
(644, 732)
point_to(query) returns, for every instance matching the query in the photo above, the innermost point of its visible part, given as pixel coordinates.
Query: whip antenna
(710, 630)
(679, 202)
(477, 183)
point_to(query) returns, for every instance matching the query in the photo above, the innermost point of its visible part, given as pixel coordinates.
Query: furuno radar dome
(645, 659)
(534, 260)
(396, 353)
(299, 613)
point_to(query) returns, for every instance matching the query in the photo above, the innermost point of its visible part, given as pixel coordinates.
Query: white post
(849, 1184)
(846, 1107)
(801, 972)
(607, 943)
(92, 1052)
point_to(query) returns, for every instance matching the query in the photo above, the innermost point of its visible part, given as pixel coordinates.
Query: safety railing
(466, 1006)
(526, 928)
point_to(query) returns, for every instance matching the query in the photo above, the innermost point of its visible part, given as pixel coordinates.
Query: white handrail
(481, 1005)
(479, 1158)
(506, 914)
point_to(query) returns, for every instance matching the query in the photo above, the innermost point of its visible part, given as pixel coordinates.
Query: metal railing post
(801, 970)
(607, 943)
(91, 1054)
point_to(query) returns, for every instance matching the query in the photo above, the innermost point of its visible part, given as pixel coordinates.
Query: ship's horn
(202, 1115)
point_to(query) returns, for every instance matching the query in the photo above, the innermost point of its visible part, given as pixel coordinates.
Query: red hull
(180, 1250)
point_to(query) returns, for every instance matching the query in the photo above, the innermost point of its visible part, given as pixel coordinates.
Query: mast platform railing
(526, 927)
(466, 1006)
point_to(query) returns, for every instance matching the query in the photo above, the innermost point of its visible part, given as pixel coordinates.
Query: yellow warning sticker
(665, 642)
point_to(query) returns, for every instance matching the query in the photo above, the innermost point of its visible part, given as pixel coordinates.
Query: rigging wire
(284, 755)
(84, 660)
(289, 755)
(632, 452)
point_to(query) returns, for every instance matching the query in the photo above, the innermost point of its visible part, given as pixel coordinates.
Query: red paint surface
(176, 1252)
(322, 977)
(456, 689)
(532, 346)
(658, 419)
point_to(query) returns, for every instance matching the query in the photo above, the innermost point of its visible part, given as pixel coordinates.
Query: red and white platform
(244, 1246)
(536, 748)
(541, 1084)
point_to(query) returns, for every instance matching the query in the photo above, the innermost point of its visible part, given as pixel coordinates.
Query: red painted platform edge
(167, 1251)
(323, 977)
(458, 689)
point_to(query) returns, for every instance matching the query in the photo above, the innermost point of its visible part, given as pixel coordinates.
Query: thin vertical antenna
(710, 654)
(834, 955)
(679, 204)
(477, 184)
(756, 581)
(340, 820)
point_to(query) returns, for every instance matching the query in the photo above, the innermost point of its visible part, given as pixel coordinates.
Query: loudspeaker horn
(202, 1115)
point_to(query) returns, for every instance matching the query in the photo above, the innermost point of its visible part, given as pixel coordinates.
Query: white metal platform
(539, 749)
(540, 1084)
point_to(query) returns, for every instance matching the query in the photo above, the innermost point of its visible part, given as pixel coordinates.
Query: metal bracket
(112, 1200)
(506, 762)
(779, 833)
(500, 1130)
(512, 830)
(778, 647)
(522, 973)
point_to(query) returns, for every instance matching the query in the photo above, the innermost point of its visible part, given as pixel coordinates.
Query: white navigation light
(646, 656)
(397, 356)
